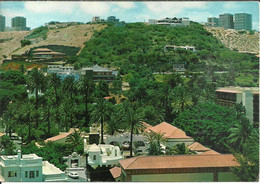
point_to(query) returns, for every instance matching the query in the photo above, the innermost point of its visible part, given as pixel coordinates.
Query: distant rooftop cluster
(176, 22)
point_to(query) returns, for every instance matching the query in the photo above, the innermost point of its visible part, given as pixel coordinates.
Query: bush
(25, 42)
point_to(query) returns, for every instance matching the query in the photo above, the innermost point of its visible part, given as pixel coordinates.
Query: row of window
(32, 174)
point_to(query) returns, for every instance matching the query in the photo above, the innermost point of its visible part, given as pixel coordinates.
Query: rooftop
(61, 135)
(170, 132)
(48, 168)
(197, 147)
(115, 171)
(210, 152)
(96, 68)
(42, 50)
(179, 161)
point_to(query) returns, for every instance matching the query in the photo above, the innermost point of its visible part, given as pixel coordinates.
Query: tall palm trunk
(36, 107)
(86, 113)
(56, 95)
(102, 136)
(29, 131)
(49, 123)
(131, 140)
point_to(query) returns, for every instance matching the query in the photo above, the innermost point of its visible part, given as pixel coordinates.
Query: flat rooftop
(233, 89)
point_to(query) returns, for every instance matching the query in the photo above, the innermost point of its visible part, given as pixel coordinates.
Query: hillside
(241, 41)
(139, 49)
(70, 36)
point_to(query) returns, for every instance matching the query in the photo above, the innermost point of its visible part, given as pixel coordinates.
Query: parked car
(73, 175)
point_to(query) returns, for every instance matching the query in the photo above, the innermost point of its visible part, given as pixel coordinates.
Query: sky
(40, 12)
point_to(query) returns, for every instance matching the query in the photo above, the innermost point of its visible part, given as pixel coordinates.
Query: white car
(73, 175)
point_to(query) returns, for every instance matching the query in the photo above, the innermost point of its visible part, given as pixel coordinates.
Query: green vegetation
(25, 42)
(38, 32)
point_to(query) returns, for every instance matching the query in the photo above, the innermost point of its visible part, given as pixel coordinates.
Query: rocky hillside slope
(68, 36)
(237, 40)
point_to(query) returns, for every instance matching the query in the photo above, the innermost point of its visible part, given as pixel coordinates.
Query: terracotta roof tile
(197, 147)
(179, 161)
(115, 171)
(210, 152)
(171, 132)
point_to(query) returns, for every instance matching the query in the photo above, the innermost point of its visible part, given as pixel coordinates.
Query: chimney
(19, 153)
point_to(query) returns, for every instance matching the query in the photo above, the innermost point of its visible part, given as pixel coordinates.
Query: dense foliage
(208, 124)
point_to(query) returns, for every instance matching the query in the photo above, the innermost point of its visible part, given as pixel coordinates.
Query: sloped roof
(197, 147)
(179, 161)
(61, 135)
(42, 50)
(210, 152)
(115, 171)
(170, 132)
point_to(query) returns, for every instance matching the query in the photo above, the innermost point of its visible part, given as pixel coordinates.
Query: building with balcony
(2, 23)
(28, 168)
(226, 21)
(45, 53)
(174, 47)
(213, 22)
(243, 21)
(229, 96)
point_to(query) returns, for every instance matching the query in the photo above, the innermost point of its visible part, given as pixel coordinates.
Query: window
(116, 153)
(37, 173)
(26, 174)
(10, 174)
(94, 157)
(31, 174)
(15, 174)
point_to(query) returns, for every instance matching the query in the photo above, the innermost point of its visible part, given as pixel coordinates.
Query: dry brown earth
(234, 40)
(69, 36)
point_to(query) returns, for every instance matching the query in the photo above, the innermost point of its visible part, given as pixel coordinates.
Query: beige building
(178, 168)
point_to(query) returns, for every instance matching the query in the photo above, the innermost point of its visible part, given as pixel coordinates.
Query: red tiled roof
(48, 53)
(210, 152)
(42, 49)
(61, 135)
(179, 161)
(170, 132)
(197, 147)
(115, 171)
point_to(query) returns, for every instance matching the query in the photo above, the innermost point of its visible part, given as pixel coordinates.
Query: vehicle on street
(73, 175)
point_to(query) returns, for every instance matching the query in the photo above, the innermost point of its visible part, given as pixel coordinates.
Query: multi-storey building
(243, 21)
(212, 21)
(2, 23)
(112, 19)
(226, 21)
(229, 96)
(28, 168)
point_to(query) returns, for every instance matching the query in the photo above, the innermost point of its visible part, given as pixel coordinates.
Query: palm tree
(75, 139)
(181, 149)
(48, 112)
(101, 113)
(36, 82)
(86, 87)
(55, 81)
(114, 124)
(182, 99)
(154, 136)
(69, 86)
(155, 148)
(133, 120)
(241, 133)
(28, 110)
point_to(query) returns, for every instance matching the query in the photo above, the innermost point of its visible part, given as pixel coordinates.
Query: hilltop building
(2, 23)
(112, 19)
(175, 22)
(247, 96)
(19, 24)
(28, 168)
(45, 53)
(177, 168)
(174, 47)
(213, 22)
(226, 21)
(243, 21)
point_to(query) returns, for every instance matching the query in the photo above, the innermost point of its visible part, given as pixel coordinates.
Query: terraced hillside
(237, 40)
(68, 36)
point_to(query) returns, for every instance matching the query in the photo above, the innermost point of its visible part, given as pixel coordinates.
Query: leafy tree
(25, 42)
(12, 76)
(75, 139)
(155, 148)
(102, 89)
(180, 149)
(181, 99)
(7, 145)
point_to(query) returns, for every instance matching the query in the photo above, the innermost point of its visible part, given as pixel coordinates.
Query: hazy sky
(40, 12)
